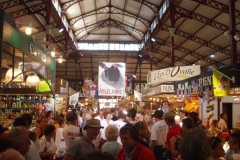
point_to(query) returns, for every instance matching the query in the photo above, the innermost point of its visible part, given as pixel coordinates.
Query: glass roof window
(108, 46)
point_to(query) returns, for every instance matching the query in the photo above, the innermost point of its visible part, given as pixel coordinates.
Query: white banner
(111, 79)
(176, 73)
(137, 96)
(73, 98)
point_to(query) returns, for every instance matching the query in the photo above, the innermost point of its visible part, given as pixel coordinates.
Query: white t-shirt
(99, 118)
(50, 146)
(69, 134)
(104, 124)
(119, 125)
(159, 132)
(80, 120)
(222, 124)
(33, 153)
(58, 140)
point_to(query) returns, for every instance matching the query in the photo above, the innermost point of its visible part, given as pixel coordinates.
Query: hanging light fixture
(32, 80)
(26, 27)
(60, 59)
(17, 72)
(53, 52)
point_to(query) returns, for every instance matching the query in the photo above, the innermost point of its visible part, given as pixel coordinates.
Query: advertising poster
(73, 98)
(221, 85)
(111, 79)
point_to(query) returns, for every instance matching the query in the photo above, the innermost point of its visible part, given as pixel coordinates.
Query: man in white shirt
(119, 123)
(100, 116)
(158, 135)
(71, 130)
(222, 123)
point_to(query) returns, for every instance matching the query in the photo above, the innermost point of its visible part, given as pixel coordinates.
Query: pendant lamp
(32, 80)
(17, 72)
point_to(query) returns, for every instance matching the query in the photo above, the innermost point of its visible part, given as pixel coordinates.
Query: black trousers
(158, 152)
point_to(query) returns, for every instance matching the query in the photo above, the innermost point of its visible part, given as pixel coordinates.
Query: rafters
(109, 10)
(109, 23)
(191, 15)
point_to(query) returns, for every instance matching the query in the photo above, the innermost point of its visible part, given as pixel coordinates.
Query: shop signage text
(159, 90)
(37, 53)
(167, 88)
(111, 91)
(176, 73)
(194, 85)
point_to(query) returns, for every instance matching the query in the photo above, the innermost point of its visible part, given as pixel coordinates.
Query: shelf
(16, 108)
(24, 101)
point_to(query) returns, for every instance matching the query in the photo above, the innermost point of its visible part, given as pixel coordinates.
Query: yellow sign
(221, 85)
(43, 86)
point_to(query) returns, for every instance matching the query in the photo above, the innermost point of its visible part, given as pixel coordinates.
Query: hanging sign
(176, 73)
(73, 99)
(221, 84)
(111, 79)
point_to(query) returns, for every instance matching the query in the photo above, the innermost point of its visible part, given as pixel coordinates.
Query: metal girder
(109, 10)
(188, 52)
(36, 9)
(92, 68)
(12, 3)
(103, 22)
(105, 54)
(58, 39)
(68, 4)
(218, 6)
(57, 18)
(198, 40)
(152, 6)
(43, 28)
(237, 14)
(187, 13)
(109, 23)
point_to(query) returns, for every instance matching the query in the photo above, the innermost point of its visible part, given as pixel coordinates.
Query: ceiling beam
(12, 3)
(109, 9)
(218, 6)
(191, 15)
(36, 9)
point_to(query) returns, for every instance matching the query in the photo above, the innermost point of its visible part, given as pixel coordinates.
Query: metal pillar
(232, 21)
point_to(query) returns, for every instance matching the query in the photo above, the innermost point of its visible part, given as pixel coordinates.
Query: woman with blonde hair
(112, 147)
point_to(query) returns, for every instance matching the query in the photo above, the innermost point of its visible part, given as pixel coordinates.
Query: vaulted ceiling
(202, 28)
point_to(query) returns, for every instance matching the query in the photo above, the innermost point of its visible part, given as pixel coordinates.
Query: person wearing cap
(158, 135)
(174, 129)
(83, 145)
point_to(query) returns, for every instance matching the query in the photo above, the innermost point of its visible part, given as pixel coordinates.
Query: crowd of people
(111, 134)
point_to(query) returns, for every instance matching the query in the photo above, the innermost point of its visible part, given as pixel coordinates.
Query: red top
(174, 131)
(141, 152)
